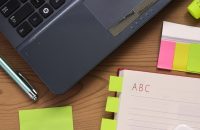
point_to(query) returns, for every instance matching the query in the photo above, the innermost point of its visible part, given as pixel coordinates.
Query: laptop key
(24, 29)
(21, 14)
(46, 10)
(10, 7)
(23, 1)
(3, 2)
(37, 3)
(57, 3)
(35, 19)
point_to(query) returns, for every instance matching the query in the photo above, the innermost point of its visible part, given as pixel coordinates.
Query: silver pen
(19, 79)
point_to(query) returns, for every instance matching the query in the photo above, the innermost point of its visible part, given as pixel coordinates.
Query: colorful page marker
(112, 104)
(194, 58)
(166, 57)
(108, 124)
(181, 57)
(115, 84)
(179, 49)
(59, 118)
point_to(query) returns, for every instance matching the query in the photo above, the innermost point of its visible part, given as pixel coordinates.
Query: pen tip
(35, 98)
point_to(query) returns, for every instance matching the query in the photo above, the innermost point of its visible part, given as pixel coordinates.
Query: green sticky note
(115, 84)
(194, 9)
(112, 104)
(108, 124)
(59, 118)
(194, 58)
(181, 57)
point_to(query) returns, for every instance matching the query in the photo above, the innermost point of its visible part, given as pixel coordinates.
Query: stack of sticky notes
(194, 9)
(180, 48)
(58, 118)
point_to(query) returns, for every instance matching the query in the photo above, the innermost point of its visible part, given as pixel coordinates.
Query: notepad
(150, 101)
(179, 48)
(58, 118)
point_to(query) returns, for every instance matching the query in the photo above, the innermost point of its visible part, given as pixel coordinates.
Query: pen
(19, 79)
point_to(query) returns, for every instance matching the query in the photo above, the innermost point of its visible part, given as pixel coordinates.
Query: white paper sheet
(158, 102)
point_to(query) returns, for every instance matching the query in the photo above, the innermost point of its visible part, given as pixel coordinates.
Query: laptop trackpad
(110, 12)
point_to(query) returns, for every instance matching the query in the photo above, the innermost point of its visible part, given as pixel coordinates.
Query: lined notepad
(180, 48)
(150, 101)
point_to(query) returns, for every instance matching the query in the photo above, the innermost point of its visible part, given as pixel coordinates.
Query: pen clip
(26, 82)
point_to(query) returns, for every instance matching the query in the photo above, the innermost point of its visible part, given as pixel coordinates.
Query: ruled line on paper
(169, 100)
(145, 109)
(167, 118)
(147, 127)
(152, 122)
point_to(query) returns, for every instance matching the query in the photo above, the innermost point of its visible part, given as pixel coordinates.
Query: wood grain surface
(88, 97)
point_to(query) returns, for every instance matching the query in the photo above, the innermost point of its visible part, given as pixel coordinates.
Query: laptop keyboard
(25, 15)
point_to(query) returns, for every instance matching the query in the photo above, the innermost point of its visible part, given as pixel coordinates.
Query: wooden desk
(88, 97)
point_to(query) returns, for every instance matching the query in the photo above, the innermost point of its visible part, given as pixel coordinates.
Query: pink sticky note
(166, 56)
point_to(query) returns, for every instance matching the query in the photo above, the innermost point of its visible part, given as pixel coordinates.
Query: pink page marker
(166, 56)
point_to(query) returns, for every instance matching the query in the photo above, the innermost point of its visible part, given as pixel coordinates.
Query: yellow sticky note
(59, 118)
(115, 84)
(194, 9)
(108, 124)
(112, 104)
(181, 57)
(194, 58)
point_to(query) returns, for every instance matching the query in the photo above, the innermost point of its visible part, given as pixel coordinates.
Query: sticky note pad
(115, 84)
(112, 104)
(194, 58)
(181, 57)
(194, 9)
(59, 118)
(166, 56)
(108, 124)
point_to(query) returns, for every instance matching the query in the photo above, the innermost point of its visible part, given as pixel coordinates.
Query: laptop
(62, 40)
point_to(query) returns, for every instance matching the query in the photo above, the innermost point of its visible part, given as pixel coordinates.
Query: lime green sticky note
(181, 57)
(108, 124)
(115, 84)
(112, 104)
(194, 58)
(59, 118)
(194, 9)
